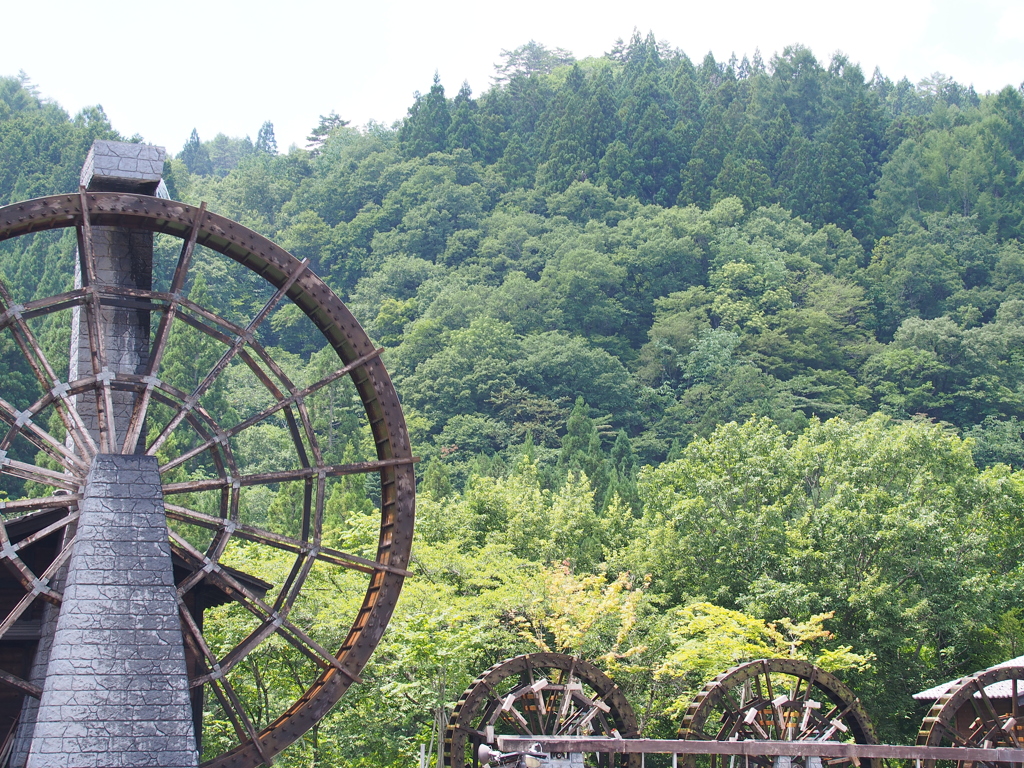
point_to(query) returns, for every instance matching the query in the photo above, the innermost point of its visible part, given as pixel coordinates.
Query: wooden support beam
(757, 748)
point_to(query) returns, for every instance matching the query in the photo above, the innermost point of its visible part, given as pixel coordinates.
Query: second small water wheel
(540, 694)
(776, 699)
(981, 710)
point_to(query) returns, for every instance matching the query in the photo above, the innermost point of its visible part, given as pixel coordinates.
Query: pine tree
(464, 132)
(437, 481)
(516, 165)
(195, 156)
(265, 141)
(744, 171)
(581, 449)
(319, 135)
(565, 146)
(425, 130)
(578, 431)
(623, 475)
(616, 171)
(689, 120)
(530, 59)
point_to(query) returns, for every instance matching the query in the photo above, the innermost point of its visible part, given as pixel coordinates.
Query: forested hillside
(705, 361)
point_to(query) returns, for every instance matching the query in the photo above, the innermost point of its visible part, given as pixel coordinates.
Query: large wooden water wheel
(46, 445)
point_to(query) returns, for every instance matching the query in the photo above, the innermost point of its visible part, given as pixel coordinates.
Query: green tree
(195, 156)
(425, 129)
(323, 130)
(531, 58)
(265, 140)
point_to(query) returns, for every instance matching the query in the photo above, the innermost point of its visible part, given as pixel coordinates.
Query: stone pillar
(111, 662)
(116, 692)
(125, 259)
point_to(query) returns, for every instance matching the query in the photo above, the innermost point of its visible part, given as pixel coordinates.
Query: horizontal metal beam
(757, 748)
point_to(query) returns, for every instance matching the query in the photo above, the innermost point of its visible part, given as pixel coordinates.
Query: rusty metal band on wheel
(350, 342)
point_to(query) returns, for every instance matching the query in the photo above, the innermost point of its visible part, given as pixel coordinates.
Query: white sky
(225, 66)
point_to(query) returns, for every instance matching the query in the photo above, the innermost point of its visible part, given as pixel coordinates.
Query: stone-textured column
(124, 258)
(116, 692)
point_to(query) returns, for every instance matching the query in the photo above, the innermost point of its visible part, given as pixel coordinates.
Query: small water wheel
(539, 694)
(776, 699)
(981, 710)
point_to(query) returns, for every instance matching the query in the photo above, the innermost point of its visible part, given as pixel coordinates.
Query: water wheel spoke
(1010, 729)
(18, 610)
(94, 329)
(779, 725)
(280, 541)
(731, 706)
(584, 713)
(527, 689)
(299, 396)
(986, 711)
(514, 718)
(242, 717)
(21, 423)
(15, 682)
(37, 586)
(203, 447)
(832, 714)
(196, 642)
(243, 649)
(42, 533)
(953, 734)
(46, 376)
(40, 475)
(313, 650)
(236, 346)
(296, 435)
(567, 723)
(815, 727)
(163, 332)
(270, 619)
(11, 312)
(45, 502)
(275, 621)
(284, 476)
(241, 733)
(565, 699)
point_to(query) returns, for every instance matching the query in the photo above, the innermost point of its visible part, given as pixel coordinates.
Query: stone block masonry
(116, 693)
(117, 166)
